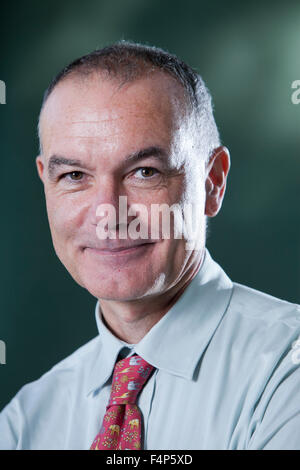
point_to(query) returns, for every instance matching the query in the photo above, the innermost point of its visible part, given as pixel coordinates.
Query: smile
(121, 251)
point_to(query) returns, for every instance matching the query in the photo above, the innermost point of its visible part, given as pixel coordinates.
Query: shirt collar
(176, 343)
(105, 359)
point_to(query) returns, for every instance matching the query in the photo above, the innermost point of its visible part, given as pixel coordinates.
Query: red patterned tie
(121, 428)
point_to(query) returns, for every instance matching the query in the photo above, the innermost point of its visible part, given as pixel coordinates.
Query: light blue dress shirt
(227, 377)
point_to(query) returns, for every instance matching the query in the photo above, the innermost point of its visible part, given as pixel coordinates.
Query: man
(217, 359)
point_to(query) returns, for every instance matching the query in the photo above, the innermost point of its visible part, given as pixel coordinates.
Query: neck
(130, 321)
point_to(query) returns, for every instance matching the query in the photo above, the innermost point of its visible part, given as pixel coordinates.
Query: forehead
(86, 112)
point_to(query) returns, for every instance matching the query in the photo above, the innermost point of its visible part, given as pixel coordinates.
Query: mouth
(121, 250)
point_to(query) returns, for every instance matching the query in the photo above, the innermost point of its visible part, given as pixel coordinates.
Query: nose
(109, 198)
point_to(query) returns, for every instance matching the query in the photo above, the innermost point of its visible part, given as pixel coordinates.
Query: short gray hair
(128, 61)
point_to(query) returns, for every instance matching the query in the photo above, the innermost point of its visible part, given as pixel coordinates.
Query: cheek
(65, 216)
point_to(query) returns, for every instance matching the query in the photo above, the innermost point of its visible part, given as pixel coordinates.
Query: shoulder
(46, 399)
(264, 330)
(264, 308)
(61, 378)
(266, 335)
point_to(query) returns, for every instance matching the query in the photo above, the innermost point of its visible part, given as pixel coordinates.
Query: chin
(119, 286)
(111, 294)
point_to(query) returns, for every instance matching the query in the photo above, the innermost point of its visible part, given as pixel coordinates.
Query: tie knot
(130, 375)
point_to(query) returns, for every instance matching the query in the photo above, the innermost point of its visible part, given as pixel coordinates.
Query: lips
(114, 248)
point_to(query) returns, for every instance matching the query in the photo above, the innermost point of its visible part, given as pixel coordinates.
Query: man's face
(106, 129)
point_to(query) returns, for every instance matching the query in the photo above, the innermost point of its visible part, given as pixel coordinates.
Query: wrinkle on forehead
(109, 119)
(74, 112)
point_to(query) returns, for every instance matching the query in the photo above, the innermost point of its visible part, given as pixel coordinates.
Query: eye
(73, 175)
(147, 171)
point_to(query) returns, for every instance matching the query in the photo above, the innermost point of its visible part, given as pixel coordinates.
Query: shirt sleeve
(10, 419)
(276, 420)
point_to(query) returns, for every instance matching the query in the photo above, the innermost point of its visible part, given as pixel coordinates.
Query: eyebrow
(56, 161)
(155, 151)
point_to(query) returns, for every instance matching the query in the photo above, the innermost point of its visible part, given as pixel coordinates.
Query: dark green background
(248, 53)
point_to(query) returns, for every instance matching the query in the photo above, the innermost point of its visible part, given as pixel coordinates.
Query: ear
(40, 166)
(217, 170)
